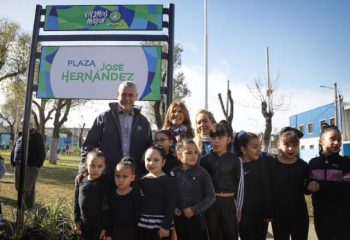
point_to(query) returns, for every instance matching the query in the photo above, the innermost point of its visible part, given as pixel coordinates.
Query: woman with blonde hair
(204, 123)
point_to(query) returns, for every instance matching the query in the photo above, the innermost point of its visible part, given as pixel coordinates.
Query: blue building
(67, 140)
(310, 123)
(5, 140)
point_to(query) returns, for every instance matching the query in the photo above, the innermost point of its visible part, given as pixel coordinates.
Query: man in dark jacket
(120, 131)
(36, 157)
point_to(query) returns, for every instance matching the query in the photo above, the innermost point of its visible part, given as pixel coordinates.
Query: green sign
(103, 17)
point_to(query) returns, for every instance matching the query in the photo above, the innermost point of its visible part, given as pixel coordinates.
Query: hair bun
(128, 160)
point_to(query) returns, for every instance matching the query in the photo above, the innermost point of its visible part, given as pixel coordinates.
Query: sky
(308, 45)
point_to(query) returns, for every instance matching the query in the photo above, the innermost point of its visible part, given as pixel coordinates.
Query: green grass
(54, 182)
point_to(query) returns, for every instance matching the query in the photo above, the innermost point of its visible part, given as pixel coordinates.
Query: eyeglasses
(160, 140)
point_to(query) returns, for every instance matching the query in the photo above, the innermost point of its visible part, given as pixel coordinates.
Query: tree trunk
(157, 114)
(57, 124)
(81, 135)
(231, 107)
(267, 134)
(228, 114)
(41, 122)
(53, 150)
(268, 114)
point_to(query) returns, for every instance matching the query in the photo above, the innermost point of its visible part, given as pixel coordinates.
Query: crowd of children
(204, 188)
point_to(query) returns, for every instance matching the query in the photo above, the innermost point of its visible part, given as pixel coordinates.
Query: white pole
(206, 52)
(269, 88)
(336, 105)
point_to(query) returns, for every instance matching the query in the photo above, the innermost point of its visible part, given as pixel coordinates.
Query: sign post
(98, 69)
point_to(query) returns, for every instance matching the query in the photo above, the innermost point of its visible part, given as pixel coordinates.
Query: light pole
(206, 53)
(336, 98)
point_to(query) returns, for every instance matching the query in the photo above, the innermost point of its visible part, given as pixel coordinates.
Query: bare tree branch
(229, 113)
(10, 75)
(270, 102)
(222, 106)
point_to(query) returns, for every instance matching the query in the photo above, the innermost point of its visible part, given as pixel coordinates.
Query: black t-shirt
(124, 210)
(90, 200)
(288, 185)
(257, 189)
(224, 171)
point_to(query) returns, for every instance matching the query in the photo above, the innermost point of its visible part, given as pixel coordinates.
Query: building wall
(346, 148)
(309, 143)
(346, 123)
(308, 148)
(314, 117)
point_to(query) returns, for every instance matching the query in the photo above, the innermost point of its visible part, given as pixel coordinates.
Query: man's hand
(79, 177)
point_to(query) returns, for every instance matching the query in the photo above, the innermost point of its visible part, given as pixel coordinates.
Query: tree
(156, 109)
(228, 112)
(62, 108)
(81, 131)
(45, 108)
(14, 50)
(14, 56)
(11, 111)
(270, 102)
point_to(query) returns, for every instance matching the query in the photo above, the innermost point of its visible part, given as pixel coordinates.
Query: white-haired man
(118, 132)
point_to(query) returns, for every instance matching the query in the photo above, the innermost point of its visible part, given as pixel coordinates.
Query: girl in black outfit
(166, 139)
(158, 198)
(289, 176)
(256, 211)
(90, 203)
(330, 187)
(224, 169)
(124, 203)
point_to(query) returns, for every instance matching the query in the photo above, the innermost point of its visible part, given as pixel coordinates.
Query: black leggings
(221, 219)
(189, 228)
(252, 228)
(332, 226)
(91, 231)
(294, 224)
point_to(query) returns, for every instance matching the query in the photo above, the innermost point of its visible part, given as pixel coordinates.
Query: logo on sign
(115, 16)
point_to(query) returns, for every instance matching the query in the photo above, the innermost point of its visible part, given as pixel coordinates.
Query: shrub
(51, 222)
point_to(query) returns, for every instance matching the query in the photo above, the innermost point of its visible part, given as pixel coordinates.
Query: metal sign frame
(38, 37)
